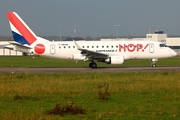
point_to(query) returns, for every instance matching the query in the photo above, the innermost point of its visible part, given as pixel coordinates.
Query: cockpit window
(162, 45)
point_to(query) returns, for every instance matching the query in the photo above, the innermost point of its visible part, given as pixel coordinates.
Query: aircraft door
(52, 49)
(151, 48)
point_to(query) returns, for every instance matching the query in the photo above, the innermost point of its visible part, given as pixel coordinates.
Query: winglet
(77, 45)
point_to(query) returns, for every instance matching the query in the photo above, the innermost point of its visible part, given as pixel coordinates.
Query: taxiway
(86, 69)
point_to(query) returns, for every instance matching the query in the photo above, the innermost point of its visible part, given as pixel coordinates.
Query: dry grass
(103, 93)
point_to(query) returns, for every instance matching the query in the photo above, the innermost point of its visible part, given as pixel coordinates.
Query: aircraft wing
(89, 53)
(93, 53)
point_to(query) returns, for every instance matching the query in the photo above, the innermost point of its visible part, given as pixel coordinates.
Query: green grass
(36, 61)
(132, 95)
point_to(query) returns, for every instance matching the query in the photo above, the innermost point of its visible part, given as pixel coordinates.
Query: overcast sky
(94, 17)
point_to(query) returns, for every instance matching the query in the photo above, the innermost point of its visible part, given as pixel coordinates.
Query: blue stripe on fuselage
(18, 38)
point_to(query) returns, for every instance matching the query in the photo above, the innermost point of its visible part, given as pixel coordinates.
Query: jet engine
(115, 59)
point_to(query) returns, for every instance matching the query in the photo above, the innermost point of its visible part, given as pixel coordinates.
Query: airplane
(110, 52)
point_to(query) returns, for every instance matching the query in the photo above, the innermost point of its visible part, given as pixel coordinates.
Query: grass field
(130, 95)
(36, 61)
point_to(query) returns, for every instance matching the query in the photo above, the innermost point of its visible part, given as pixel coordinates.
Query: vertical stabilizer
(21, 32)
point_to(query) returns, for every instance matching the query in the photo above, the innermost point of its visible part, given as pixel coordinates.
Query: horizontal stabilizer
(21, 46)
(11, 47)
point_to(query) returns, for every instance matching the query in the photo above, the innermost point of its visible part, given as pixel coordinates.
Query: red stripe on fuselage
(21, 28)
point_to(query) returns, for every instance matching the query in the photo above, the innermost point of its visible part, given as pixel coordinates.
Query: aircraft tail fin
(20, 30)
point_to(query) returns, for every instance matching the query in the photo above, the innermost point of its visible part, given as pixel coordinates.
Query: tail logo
(21, 32)
(39, 48)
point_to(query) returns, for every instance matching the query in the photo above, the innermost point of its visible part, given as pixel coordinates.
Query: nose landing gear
(154, 62)
(153, 65)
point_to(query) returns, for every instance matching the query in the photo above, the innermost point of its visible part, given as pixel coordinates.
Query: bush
(70, 108)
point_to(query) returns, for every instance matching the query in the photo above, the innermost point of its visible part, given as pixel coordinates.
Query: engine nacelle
(78, 57)
(115, 59)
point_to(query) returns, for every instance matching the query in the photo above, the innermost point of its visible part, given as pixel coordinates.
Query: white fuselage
(128, 49)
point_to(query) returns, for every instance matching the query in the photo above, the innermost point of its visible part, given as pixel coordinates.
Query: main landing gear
(154, 62)
(92, 65)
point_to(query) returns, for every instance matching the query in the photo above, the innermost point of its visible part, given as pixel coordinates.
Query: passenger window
(87, 46)
(111, 46)
(102, 46)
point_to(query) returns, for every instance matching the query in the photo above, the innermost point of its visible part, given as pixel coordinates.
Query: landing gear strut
(92, 65)
(154, 62)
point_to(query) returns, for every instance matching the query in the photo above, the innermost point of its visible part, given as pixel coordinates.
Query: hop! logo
(132, 47)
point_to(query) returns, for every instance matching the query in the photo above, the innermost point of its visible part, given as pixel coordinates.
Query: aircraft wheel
(90, 65)
(154, 62)
(94, 65)
(153, 65)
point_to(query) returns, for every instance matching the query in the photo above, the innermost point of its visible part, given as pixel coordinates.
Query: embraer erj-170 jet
(110, 52)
